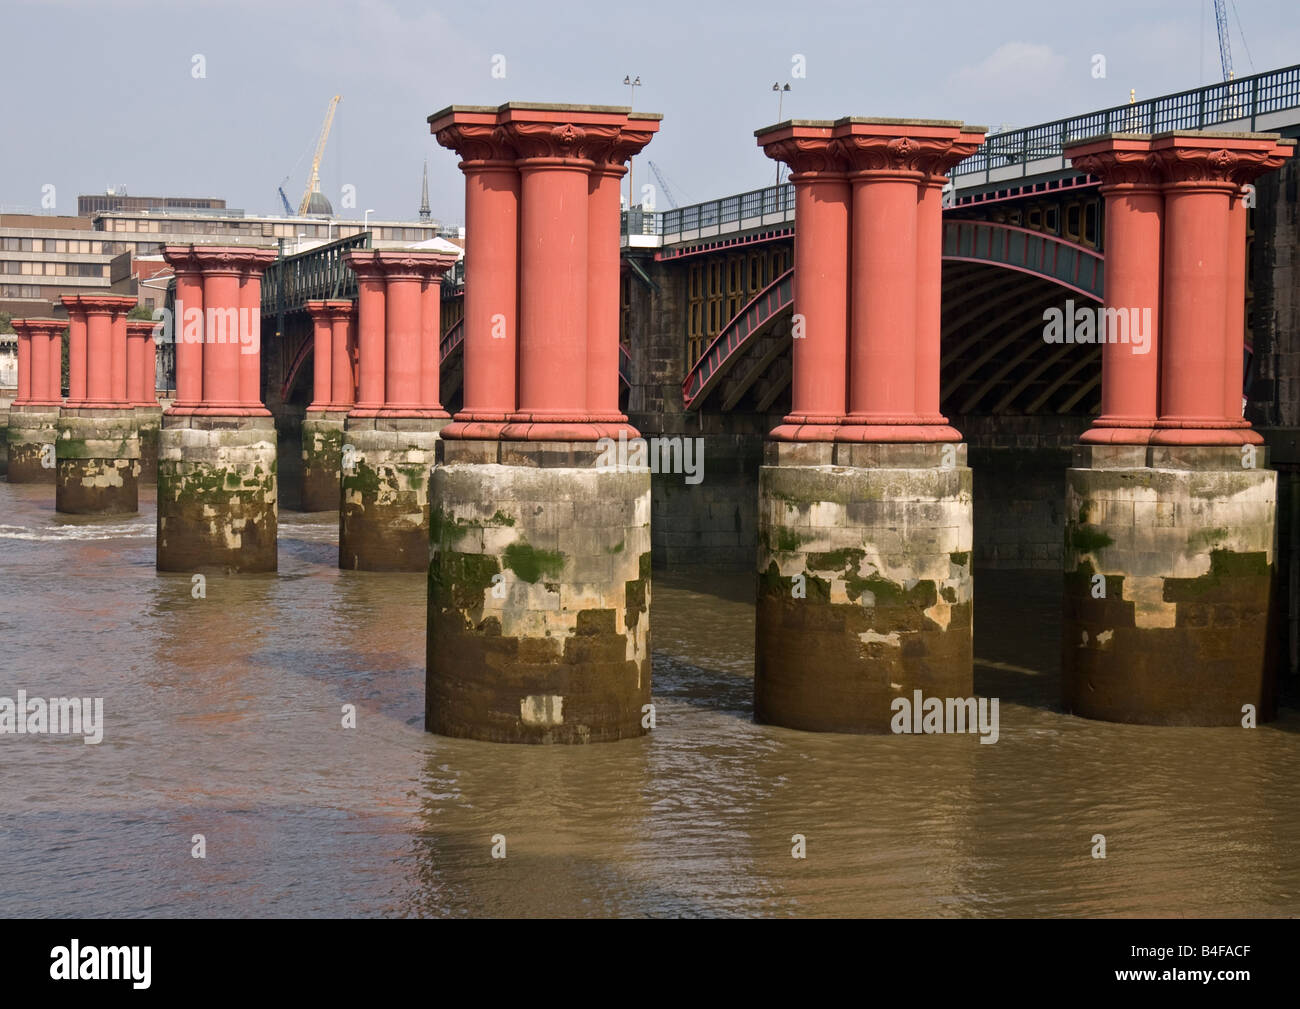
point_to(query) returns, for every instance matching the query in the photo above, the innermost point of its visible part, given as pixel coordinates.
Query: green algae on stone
(530, 563)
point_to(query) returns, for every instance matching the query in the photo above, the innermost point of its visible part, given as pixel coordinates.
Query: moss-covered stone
(530, 564)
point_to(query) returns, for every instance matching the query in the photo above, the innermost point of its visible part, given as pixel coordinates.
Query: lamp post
(365, 220)
(632, 83)
(780, 104)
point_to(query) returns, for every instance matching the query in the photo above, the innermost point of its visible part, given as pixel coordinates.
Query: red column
(604, 265)
(342, 336)
(150, 365)
(553, 224)
(140, 378)
(370, 330)
(76, 349)
(492, 259)
(1135, 206)
(54, 334)
(119, 361)
(402, 333)
(99, 351)
(40, 356)
(24, 362)
(603, 284)
(135, 337)
(820, 343)
(187, 328)
(938, 156)
(430, 335)
(253, 264)
(322, 355)
(1234, 324)
(221, 276)
(1203, 174)
(882, 341)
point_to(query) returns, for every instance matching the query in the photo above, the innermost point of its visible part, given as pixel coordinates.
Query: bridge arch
(997, 281)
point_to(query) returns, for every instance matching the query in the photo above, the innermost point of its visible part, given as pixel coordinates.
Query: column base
(1169, 564)
(539, 595)
(217, 505)
(322, 447)
(384, 499)
(98, 455)
(864, 582)
(31, 435)
(150, 421)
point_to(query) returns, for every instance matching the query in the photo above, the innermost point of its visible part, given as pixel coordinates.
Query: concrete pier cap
(539, 553)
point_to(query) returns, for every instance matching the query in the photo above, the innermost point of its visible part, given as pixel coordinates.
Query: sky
(226, 99)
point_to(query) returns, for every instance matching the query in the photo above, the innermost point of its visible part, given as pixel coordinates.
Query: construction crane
(663, 184)
(285, 199)
(313, 180)
(1225, 46)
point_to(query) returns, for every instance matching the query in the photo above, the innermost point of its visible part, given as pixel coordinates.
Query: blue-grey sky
(105, 93)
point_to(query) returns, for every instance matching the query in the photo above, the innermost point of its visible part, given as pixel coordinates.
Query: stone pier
(1170, 507)
(34, 413)
(334, 392)
(142, 391)
(864, 523)
(98, 447)
(217, 505)
(539, 548)
(390, 434)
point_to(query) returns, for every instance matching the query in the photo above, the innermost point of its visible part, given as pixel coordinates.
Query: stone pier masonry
(34, 413)
(864, 525)
(390, 432)
(217, 446)
(539, 556)
(98, 447)
(1170, 509)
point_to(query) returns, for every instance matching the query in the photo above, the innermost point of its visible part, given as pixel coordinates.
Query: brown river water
(223, 718)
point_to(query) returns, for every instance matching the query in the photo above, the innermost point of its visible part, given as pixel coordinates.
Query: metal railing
(1246, 98)
(754, 205)
(318, 274)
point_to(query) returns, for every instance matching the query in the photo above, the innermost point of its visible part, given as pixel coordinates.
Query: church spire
(425, 214)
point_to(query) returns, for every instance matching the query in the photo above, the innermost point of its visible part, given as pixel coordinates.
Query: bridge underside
(994, 358)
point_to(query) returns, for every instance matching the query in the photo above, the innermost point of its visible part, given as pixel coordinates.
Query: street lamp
(365, 221)
(780, 104)
(633, 84)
